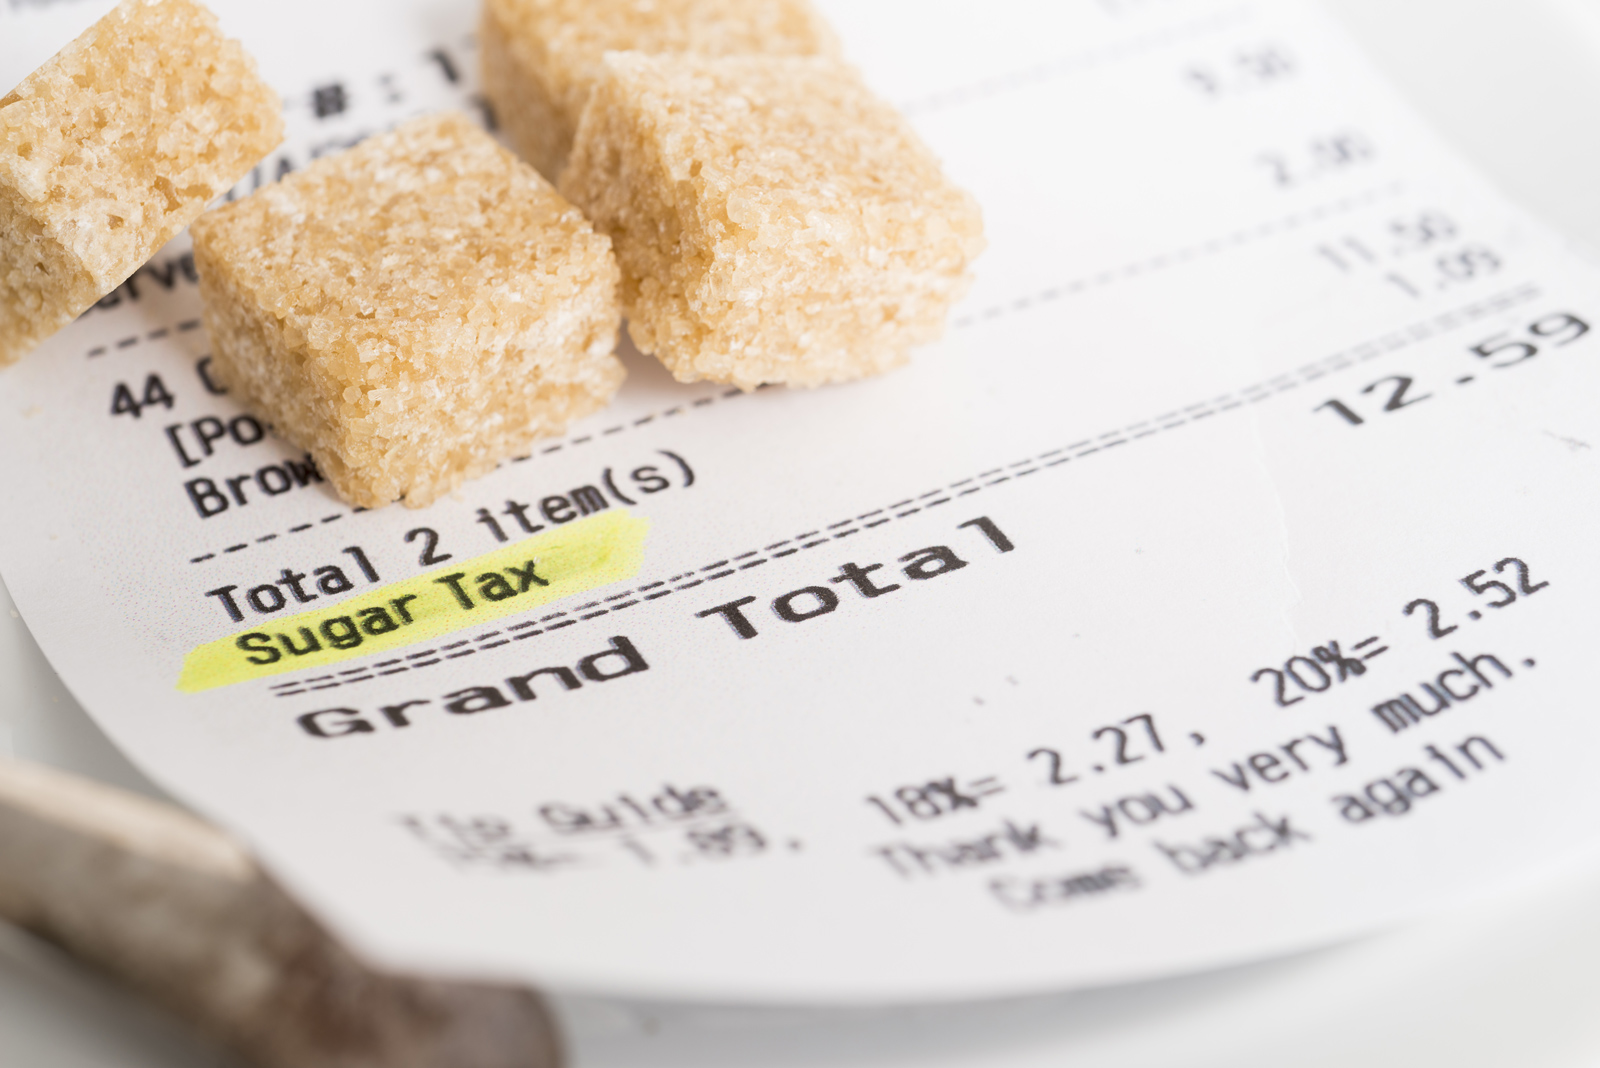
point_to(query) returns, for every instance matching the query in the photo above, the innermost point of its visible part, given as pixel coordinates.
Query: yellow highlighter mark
(573, 559)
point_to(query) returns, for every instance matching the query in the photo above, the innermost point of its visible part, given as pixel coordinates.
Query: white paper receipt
(1223, 584)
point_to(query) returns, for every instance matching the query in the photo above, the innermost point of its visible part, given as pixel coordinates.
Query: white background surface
(1510, 980)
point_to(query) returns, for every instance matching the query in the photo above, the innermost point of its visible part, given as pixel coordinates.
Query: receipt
(1216, 588)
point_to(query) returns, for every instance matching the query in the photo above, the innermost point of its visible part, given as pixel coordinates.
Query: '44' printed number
(124, 402)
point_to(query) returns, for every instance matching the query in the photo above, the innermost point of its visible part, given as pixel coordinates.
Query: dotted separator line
(643, 420)
(299, 529)
(929, 500)
(1056, 68)
(131, 340)
(1183, 256)
(1139, 267)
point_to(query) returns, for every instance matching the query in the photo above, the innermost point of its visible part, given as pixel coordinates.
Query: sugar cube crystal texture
(411, 312)
(541, 58)
(775, 221)
(111, 148)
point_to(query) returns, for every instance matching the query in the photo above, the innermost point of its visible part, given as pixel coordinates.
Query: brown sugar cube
(541, 58)
(111, 148)
(774, 220)
(411, 312)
